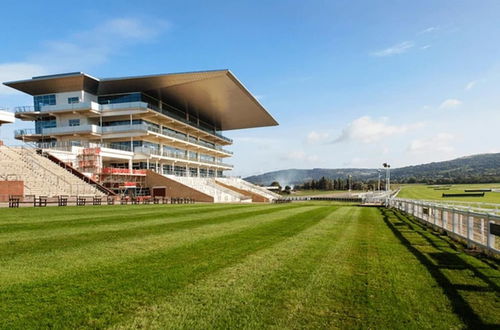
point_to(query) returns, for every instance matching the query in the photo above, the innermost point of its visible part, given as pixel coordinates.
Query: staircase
(41, 176)
(247, 186)
(209, 186)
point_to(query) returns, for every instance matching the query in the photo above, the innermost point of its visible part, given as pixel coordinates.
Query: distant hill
(480, 168)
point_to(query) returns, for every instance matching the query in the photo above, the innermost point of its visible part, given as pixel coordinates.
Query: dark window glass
(72, 100)
(41, 100)
(74, 122)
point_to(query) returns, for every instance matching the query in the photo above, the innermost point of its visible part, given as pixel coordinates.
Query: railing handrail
(110, 106)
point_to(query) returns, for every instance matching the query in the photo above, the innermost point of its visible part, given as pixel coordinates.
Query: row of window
(170, 169)
(50, 99)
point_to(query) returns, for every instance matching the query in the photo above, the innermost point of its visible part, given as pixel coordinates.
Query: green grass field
(319, 192)
(298, 265)
(421, 191)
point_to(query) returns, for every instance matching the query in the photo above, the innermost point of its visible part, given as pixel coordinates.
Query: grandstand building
(117, 130)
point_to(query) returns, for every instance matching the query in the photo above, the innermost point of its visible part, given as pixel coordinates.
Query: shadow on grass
(443, 262)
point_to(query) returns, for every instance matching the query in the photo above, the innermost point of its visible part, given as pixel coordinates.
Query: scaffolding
(124, 181)
(90, 161)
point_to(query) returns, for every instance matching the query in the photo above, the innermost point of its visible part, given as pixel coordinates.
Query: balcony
(150, 128)
(101, 109)
(25, 109)
(154, 152)
(20, 133)
(63, 130)
(81, 106)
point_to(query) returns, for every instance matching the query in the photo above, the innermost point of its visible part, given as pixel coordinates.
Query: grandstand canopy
(214, 96)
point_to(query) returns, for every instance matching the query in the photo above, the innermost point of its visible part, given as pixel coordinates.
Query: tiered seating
(209, 187)
(244, 185)
(40, 175)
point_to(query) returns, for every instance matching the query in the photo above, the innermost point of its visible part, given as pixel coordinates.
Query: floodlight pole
(387, 176)
(350, 182)
(378, 171)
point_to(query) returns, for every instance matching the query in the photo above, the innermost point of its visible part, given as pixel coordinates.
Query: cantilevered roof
(214, 96)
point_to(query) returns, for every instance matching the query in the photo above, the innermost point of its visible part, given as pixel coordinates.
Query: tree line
(325, 183)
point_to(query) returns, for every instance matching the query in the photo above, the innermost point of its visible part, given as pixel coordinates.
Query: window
(42, 123)
(74, 122)
(41, 100)
(72, 100)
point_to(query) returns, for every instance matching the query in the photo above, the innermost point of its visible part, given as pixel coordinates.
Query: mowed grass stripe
(122, 231)
(471, 284)
(101, 297)
(37, 266)
(24, 215)
(238, 296)
(349, 292)
(91, 216)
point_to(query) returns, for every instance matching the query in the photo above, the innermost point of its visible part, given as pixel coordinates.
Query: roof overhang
(214, 96)
(6, 117)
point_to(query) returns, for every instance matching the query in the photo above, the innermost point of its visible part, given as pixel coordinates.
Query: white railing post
(435, 214)
(482, 230)
(490, 238)
(470, 223)
(444, 218)
(454, 221)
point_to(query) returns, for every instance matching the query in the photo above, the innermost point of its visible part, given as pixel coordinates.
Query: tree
(276, 184)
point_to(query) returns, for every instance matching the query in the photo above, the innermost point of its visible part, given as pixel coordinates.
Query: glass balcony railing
(95, 129)
(24, 108)
(155, 152)
(24, 131)
(152, 128)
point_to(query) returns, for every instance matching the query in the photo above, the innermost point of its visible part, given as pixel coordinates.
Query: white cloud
(317, 137)
(450, 104)
(82, 50)
(368, 130)
(400, 48)
(425, 47)
(438, 143)
(429, 30)
(471, 85)
(17, 70)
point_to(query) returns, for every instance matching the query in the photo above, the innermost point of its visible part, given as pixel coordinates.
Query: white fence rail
(476, 227)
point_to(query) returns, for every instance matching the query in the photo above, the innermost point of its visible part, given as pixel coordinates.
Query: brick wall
(175, 189)
(10, 188)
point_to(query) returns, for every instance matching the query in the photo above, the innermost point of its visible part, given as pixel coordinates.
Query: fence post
(470, 222)
(444, 218)
(434, 215)
(454, 221)
(482, 230)
(490, 239)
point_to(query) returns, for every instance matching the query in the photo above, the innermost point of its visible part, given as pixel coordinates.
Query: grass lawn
(422, 191)
(320, 192)
(298, 265)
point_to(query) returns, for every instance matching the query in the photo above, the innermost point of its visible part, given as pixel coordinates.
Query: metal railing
(476, 227)
(24, 131)
(24, 108)
(155, 152)
(68, 146)
(116, 129)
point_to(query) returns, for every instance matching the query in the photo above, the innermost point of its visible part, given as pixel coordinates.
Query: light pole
(387, 176)
(378, 171)
(350, 182)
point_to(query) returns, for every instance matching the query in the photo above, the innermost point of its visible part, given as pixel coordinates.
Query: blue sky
(352, 83)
